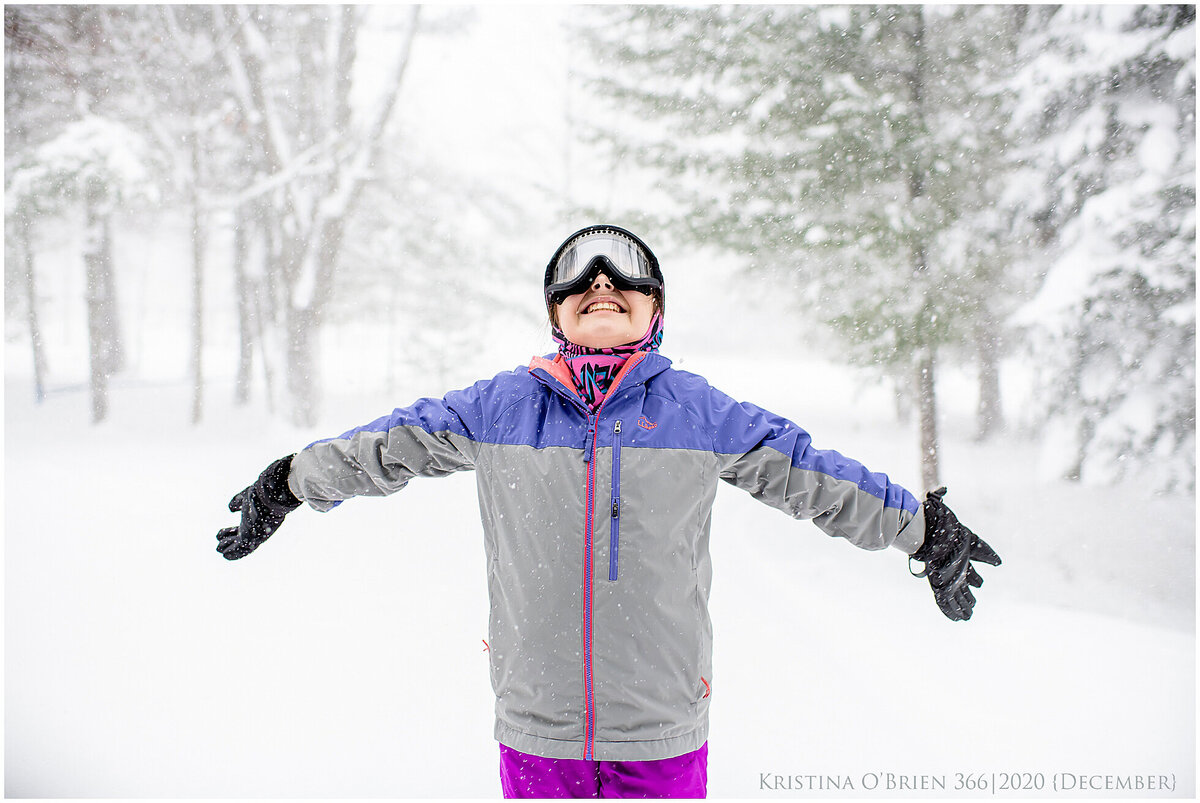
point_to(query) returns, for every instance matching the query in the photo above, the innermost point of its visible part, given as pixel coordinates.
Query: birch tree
(315, 154)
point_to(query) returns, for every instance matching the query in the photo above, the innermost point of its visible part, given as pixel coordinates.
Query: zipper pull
(616, 502)
(589, 445)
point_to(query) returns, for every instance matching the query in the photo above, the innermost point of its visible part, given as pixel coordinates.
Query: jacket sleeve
(775, 462)
(430, 438)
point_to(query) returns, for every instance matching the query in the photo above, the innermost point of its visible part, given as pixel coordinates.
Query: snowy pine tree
(1109, 103)
(851, 145)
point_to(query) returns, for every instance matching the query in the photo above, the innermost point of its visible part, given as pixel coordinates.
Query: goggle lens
(623, 254)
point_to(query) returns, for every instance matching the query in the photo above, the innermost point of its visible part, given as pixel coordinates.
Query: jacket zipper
(614, 536)
(589, 698)
(589, 453)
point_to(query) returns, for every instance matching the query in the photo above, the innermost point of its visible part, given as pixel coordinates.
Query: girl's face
(603, 316)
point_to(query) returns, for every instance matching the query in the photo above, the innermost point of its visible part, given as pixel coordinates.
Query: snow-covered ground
(345, 657)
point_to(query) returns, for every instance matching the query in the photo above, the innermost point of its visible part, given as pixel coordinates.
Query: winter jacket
(596, 530)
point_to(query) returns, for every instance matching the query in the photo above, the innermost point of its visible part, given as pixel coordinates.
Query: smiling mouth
(602, 306)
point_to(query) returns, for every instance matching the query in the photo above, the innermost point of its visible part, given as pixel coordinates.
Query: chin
(602, 340)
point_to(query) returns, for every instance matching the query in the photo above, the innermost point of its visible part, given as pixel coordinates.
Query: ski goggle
(610, 250)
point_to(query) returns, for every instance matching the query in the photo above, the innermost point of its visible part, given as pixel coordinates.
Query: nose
(602, 282)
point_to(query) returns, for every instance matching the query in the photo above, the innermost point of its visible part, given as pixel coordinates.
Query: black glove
(947, 553)
(263, 506)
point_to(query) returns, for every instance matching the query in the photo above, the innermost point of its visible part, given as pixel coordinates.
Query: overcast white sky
(489, 100)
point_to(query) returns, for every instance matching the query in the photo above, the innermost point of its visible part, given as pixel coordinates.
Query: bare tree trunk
(926, 385)
(304, 325)
(242, 286)
(270, 296)
(98, 263)
(104, 331)
(114, 346)
(198, 242)
(929, 429)
(35, 331)
(257, 316)
(989, 415)
(301, 366)
(902, 396)
(1085, 428)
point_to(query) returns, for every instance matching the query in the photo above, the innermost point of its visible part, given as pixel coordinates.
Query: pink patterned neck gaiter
(595, 369)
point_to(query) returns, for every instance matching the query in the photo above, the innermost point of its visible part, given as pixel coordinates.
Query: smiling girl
(596, 473)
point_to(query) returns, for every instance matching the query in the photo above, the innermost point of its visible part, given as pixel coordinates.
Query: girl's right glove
(947, 553)
(263, 506)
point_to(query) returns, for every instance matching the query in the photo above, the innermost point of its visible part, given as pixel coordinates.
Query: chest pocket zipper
(614, 537)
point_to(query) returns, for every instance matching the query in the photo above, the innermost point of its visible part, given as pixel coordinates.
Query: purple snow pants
(523, 775)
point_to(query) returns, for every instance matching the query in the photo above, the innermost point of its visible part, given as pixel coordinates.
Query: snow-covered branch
(245, 64)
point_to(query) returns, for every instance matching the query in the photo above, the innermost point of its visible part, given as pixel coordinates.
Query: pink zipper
(589, 452)
(589, 700)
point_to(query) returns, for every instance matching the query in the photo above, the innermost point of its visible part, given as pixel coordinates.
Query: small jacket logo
(646, 423)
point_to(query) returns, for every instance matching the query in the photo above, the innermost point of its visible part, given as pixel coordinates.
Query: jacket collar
(553, 372)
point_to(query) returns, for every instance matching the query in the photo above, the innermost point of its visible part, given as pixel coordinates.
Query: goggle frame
(620, 276)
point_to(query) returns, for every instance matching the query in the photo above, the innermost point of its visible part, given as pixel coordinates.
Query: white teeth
(603, 305)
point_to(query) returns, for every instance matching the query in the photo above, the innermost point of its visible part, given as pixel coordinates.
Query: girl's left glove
(947, 553)
(263, 506)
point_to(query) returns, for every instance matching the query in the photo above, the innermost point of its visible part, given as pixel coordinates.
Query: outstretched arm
(774, 460)
(431, 438)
